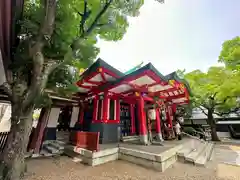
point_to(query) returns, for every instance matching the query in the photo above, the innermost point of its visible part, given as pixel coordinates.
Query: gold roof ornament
(181, 86)
(81, 70)
(100, 70)
(137, 94)
(172, 82)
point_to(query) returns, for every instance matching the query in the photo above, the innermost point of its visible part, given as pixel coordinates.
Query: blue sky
(180, 34)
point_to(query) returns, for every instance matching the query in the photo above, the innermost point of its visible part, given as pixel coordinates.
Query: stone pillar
(158, 125)
(142, 122)
(74, 117)
(50, 131)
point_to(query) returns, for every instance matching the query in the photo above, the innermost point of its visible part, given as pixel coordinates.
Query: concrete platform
(155, 157)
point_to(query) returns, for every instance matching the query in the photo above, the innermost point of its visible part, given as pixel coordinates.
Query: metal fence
(3, 140)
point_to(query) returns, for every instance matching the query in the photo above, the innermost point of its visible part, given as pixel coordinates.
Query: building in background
(227, 126)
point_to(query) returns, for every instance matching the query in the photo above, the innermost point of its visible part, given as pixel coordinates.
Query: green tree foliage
(230, 54)
(215, 92)
(78, 25)
(55, 35)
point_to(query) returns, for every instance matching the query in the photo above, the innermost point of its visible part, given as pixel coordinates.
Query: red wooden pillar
(133, 130)
(174, 108)
(158, 121)
(169, 116)
(37, 139)
(105, 108)
(117, 110)
(95, 110)
(158, 125)
(81, 115)
(142, 121)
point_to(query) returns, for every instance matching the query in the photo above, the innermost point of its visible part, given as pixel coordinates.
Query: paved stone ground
(64, 168)
(157, 149)
(229, 154)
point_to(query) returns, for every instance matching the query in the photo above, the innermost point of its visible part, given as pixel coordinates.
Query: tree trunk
(212, 124)
(12, 165)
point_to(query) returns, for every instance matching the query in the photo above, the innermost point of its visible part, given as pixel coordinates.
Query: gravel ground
(64, 168)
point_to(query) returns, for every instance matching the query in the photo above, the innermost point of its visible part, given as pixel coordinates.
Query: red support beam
(103, 77)
(158, 121)
(117, 110)
(176, 97)
(142, 117)
(86, 87)
(133, 130)
(39, 131)
(93, 82)
(81, 116)
(147, 98)
(95, 109)
(169, 116)
(105, 107)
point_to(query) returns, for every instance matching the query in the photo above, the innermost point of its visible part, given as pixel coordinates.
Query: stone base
(143, 139)
(159, 162)
(92, 158)
(159, 137)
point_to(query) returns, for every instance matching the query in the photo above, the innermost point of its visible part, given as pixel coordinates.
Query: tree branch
(225, 100)
(95, 23)
(214, 95)
(234, 110)
(45, 33)
(84, 16)
(97, 18)
(203, 110)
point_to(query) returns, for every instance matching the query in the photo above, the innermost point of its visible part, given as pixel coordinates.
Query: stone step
(192, 156)
(204, 156)
(184, 151)
(51, 149)
(69, 152)
(187, 148)
(56, 144)
(45, 153)
(130, 138)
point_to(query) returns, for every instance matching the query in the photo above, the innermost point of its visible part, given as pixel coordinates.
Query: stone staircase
(195, 151)
(52, 147)
(129, 138)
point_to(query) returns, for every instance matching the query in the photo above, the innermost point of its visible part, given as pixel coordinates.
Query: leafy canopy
(78, 25)
(216, 90)
(230, 54)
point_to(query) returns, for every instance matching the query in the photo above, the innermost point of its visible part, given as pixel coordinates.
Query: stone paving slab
(225, 154)
(156, 149)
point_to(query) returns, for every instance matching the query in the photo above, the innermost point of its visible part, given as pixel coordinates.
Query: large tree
(215, 92)
(54, 34)
(230, 54)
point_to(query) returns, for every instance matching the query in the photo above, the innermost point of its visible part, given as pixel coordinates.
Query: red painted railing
(87, 140)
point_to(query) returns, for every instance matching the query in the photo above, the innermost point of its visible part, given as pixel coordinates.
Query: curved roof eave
(174, 76)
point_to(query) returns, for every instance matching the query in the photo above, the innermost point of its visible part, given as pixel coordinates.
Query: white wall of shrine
(53, 117)
(2, 71)
(74, 117)
(5, 117)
